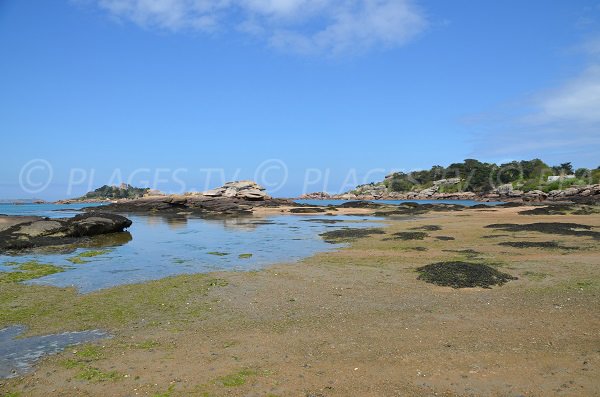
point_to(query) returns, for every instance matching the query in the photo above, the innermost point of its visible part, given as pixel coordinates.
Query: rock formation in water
(28, 232)
(233, 198)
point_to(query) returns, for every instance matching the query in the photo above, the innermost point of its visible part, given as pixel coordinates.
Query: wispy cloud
(563, 120)
(303, 26)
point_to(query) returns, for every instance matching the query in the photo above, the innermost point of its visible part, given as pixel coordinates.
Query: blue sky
(304, 95)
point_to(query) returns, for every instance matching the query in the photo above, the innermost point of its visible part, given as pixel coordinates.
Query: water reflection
(157, 247)
(17, 355)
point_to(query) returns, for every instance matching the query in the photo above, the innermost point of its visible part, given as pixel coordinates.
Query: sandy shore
(354, 322)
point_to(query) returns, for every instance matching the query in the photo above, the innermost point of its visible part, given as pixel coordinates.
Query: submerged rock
(44, 231)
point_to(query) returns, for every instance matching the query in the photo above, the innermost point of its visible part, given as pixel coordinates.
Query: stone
(45, 231)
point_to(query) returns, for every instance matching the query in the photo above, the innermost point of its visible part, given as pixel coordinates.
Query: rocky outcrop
(234, 198)
(247, 190)
(590, 193)
(25, 232)
(315, 196)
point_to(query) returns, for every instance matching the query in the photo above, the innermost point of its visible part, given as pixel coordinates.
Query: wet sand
(354, 322)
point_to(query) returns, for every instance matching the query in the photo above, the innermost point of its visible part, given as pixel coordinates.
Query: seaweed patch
(462, 275)
(572, 229)
(535, 244)
(335, 236)
(408, 236)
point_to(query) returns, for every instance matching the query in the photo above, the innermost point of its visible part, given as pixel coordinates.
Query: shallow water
(467, 203)
(158, 247)
(48, 210)
(17, 355)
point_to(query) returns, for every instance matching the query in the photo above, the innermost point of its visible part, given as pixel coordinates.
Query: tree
(582, 173)
(563, 169)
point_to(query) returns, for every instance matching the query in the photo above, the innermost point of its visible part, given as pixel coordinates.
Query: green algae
(46, 309)
(244, 256)
(236, 379)
(95, 375)
(28, 271)
(79, 258)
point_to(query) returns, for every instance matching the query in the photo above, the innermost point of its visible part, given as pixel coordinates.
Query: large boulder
(27, 233)
(534, 195)
(248, 190)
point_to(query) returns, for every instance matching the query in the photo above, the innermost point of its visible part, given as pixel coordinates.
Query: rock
(248, 190)
(42, 232)
(572, 191)
(448, 181)
(315, 196)
(534, 195)
(504, 190)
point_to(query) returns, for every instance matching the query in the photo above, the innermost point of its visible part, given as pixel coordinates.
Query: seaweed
(335, 236)
(462, 275)
(445, 238)
(535, 244)
(562, 209)
(408, 236)
(567, 229)
(360, 204)
(510, 204)
(28, 271)
(429, 228)
(306, 210)
(551, 209)
(326, 221)
(469, 253)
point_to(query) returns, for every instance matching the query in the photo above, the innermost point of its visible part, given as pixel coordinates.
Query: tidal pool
(17, 355)
(156, 247)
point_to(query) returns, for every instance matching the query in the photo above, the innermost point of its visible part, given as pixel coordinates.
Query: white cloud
(561, 121)
(576, 101)
(304, 26)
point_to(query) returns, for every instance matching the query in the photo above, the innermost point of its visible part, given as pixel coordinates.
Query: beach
(353, 321)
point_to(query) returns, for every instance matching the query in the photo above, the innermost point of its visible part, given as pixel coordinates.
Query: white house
(554, 178)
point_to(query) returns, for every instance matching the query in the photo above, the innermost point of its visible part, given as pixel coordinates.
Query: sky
(300, 95)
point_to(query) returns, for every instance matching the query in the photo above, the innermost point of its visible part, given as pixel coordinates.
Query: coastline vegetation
(124, 191)
(479, 177)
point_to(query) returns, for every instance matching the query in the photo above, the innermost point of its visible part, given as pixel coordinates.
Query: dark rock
(307, 210)
(193, 204)
(360, 204)
(46, 231)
